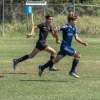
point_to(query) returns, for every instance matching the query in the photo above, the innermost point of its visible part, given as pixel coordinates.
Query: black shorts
(41, 46)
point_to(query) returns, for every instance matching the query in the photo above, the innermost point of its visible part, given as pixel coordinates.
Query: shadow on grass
(14, 73)
(44, 80)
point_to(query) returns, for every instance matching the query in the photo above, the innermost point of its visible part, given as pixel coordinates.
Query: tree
(90, 1)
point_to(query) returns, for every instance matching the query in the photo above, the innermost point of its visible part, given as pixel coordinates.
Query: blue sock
(74, 64)
(51, 57)
(49, 63)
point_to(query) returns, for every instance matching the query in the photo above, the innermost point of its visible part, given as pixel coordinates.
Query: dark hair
(48, 15)
(71, 16)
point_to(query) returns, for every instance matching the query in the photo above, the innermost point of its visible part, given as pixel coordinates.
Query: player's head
(72, 17)
(49, 18)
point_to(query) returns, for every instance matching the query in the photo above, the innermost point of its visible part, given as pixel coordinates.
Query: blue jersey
(68, 32)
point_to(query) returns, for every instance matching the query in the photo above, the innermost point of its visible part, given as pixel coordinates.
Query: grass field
(25, 84)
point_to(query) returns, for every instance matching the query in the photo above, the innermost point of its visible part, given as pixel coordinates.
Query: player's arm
(54, 33)
(32, 31)
(77, 38)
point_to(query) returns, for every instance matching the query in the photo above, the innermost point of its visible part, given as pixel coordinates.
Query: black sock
(49, 63)
(51, 57)
(22, 58)
(74, 64)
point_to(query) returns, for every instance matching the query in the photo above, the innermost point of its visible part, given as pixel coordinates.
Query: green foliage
(59, 1)
(51, 10)
(16, 19)
(55, 1)
(88, 24)
(97, 13)
(90, 1)
(85, 24)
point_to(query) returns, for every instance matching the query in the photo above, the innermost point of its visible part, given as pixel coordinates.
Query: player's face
(74, 22)
(49, 20)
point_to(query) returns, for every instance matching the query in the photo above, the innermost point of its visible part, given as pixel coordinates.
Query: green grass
(25, 84)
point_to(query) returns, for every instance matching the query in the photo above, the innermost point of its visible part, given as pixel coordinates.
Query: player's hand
(58, 41)
(28, 35)
(85, 44)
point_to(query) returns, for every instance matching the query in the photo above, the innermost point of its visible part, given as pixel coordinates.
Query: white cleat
(74, 74)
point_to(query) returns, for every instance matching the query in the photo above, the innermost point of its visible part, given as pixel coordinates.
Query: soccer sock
(74, 64)
(49, 63)
(51, 57)
(22, 58)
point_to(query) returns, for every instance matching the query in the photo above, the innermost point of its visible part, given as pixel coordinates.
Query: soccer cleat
(40, 71)
(53, 69)
(74, 74)
(1, 76)
(14, 64)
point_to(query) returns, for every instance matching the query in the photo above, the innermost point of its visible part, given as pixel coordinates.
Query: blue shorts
(66, 51)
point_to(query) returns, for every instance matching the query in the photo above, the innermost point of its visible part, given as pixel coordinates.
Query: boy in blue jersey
(68, 32)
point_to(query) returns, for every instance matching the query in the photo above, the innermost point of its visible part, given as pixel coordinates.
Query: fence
(15, 20)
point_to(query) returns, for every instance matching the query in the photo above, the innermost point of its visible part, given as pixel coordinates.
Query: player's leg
(72, 52)
(76, 56)
(25, 57)
(49, 63)
(53, 53)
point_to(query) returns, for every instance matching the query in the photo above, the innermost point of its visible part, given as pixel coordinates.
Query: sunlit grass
(25, 84)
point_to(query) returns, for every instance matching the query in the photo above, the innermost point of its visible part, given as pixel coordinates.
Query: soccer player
(68, 32)
(44, 28)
